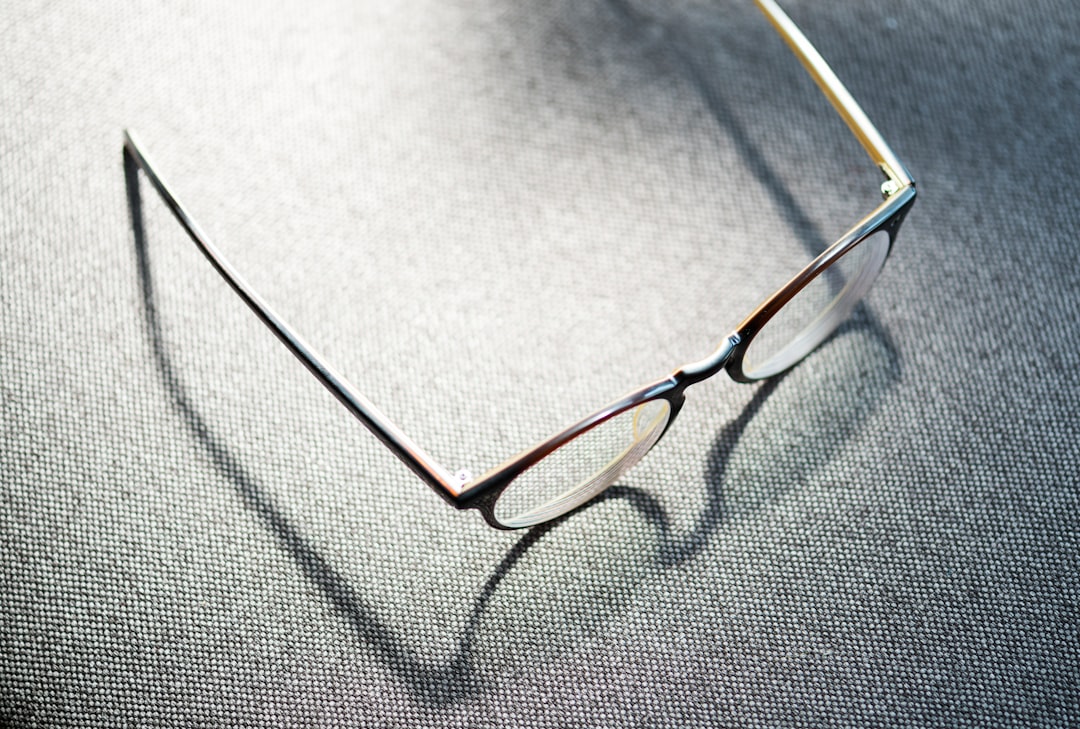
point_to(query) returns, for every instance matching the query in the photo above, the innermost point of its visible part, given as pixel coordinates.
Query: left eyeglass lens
(582, 468)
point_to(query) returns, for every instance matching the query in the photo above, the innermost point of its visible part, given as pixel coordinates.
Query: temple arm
(446, 484)
(841, 99)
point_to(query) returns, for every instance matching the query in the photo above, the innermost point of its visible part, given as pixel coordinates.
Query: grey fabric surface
(495, 216)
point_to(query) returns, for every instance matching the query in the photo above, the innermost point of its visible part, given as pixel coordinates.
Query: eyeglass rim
(484, 492)
(887, 218)
(665, 391)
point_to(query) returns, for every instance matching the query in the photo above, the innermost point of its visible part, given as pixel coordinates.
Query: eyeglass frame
(461, 490)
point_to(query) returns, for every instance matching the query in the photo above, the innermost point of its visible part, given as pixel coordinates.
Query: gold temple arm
(841, 99)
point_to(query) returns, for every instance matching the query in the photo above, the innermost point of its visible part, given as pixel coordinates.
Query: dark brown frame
(460, 489)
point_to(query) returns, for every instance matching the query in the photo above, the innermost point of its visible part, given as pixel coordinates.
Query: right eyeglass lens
(815, 312)
(583, 467)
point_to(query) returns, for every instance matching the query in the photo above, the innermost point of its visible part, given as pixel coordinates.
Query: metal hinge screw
(889, 187)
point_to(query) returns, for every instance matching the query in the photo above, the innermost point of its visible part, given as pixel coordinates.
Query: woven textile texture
(494, 217)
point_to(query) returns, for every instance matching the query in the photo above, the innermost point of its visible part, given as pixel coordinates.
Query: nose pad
(648, 417)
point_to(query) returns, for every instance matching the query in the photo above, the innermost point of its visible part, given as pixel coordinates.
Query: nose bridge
(703, 369)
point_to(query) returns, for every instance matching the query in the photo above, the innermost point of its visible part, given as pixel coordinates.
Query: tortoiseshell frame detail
(462, 491)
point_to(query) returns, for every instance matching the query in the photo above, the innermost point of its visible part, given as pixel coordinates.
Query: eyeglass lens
(588, 464)
(813, 314)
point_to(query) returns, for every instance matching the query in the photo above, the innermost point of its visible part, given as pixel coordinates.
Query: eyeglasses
(576, 464)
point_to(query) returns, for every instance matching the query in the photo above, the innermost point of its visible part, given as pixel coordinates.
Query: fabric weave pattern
(494, 217)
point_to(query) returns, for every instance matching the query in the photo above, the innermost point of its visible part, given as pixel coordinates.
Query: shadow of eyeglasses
(831, 426)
